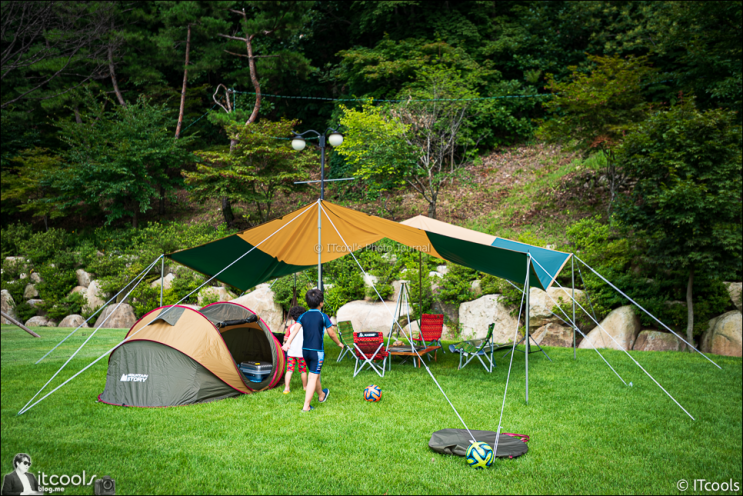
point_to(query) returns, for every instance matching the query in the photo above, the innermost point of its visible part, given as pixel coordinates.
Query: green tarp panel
(456, 442)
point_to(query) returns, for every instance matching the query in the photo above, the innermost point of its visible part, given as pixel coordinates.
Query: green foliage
(25, 183)
(255, 171)
(57, 279)
(24, 311)
(11, 238)
(71, 304)
(456, 286)
(594, 111)
(119, 161)
(42, 247)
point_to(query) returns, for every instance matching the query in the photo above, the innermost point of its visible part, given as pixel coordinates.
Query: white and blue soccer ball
(480, 455)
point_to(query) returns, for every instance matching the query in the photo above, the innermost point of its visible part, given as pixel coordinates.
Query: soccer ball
(479, 455)
(373, 393)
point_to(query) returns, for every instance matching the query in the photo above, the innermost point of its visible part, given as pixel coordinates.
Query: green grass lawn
(589, 433)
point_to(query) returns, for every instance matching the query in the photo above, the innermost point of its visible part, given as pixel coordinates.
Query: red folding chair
(368, 347)
(431, 328)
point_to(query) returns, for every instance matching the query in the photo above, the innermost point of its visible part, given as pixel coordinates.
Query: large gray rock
(120, 318)
(368, 315)
(214, 294)
(449, 310)
(475, 287)
(8, 305)
(167, 282)
(80, 289)
(542, 302)
(261, 302)
(723, 336)
(475, 316)
(622, 324)
(35, 277)
(38, 304)
(73, 321)
(30, 292)
(734, 289)
(94, 296)
(83, 278)
(396, 285)
(554, 335)
(40, 321)
(658, 341)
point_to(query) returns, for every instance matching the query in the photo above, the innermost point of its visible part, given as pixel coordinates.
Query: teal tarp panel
(551, 260)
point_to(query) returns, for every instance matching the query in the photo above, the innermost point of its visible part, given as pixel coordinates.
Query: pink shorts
(292, 361)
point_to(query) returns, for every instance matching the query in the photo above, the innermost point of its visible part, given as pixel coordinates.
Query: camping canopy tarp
(290, 244)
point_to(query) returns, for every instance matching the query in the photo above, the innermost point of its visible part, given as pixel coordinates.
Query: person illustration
(20, 480)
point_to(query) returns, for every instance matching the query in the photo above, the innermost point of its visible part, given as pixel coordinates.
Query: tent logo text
(134, 377)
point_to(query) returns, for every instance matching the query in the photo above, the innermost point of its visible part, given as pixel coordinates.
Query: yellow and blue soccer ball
(479, 455)
(373, 393)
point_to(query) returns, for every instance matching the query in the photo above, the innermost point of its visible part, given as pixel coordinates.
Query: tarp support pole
(526, 342)
(162, 278)
(319, 246)
(572, 294)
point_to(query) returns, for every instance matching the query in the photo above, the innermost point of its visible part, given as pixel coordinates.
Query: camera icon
(105, 486)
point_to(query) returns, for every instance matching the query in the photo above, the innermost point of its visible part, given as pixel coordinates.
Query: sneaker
(327, 392)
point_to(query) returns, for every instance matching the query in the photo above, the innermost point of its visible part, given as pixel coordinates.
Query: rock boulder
(554, 335)
(8, 306)
(35, 277)
(262, 303)
(541, 304)
(40, 321)
(658, 341)
(214, 294)
(723, 336)
(30, 292)
(475, 316)
(622, 324)
(167, 282)
(83, 278)
(120, 318)
(93, 296)
(73, 321)
(368, 315)
(734, 289)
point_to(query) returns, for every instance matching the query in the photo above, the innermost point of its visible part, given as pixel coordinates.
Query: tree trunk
(185, 81)
(432, 209)
(690, 309)
(227, 211)
(161, 209)
(78, 119)
(135, 223)
(113, 76)
(254, 79)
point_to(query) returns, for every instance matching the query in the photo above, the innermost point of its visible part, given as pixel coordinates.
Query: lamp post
(298, 143)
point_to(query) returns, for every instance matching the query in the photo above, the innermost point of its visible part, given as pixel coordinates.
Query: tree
(686, 204)
(43, 41)
(260, 166)
(26, 186)
(593, 112)
(118, 160)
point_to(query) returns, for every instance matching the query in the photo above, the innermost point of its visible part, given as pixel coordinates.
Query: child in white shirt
(294, 355)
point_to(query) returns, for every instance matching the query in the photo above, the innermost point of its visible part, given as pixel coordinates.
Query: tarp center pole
(572, 293)
(527, 290)
(319, 245)
(162, 278)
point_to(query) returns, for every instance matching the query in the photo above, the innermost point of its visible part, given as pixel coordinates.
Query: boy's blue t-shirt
(314, 323)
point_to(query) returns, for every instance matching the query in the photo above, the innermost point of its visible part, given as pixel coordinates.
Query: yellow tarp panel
(296, 243)
(196, 337)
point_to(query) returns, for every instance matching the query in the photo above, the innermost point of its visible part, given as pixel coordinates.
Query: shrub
(43, 247)
(24, 311)
(71, 304)
(12, 237)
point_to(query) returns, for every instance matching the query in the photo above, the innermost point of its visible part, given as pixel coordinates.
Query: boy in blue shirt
(313, 324)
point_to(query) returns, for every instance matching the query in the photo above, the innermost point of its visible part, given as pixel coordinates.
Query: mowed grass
(589, 432)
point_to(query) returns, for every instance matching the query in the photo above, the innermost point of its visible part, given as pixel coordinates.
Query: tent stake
(162, 278)
(572, 274)
(526, 342)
